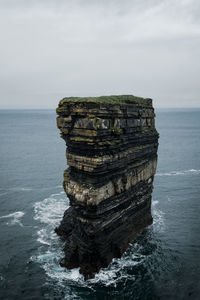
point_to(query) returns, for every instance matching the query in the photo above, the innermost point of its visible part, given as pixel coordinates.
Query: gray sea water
(164, 261)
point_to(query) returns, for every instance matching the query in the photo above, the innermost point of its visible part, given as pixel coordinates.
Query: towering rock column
(112, 154)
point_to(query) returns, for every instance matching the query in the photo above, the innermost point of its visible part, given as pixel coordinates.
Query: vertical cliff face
(111, 153)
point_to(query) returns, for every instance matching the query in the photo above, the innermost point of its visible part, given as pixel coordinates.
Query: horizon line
(54, 108)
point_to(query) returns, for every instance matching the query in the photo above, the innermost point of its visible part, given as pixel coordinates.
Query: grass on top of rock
(119, 99)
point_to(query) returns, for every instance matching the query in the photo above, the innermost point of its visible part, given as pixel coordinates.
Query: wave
(183, 172)
(2, 194)
(50, 187)
(16, 189)
(23, 189)
(15, 218)
(48, 213)
(26, 189)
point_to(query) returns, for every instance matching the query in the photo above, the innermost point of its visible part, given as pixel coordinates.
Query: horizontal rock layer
(112, 154)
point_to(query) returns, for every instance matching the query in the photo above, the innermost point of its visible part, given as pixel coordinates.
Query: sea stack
(111, 155)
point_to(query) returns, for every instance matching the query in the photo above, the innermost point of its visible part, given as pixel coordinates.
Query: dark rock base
(92, 250)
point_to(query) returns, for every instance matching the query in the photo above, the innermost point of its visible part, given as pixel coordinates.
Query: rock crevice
(112, 155)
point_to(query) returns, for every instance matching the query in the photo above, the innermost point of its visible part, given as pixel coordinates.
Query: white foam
(176, 173)
(154, 202)
(15, 218)
(43, 237)
(48, 213)
(116, 271)
(158, 217)
(50, 210)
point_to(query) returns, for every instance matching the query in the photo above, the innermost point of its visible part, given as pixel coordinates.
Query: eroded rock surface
(112, 154)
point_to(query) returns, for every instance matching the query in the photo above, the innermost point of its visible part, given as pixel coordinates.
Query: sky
(51, 49)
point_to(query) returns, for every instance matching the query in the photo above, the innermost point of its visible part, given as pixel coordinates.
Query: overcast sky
(55, 48)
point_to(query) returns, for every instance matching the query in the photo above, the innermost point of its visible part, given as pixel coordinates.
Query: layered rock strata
(112, 154)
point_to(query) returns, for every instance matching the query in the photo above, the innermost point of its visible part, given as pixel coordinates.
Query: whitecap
(15, 218)
(183, 172)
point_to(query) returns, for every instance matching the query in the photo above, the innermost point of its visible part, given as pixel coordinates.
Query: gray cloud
(51, 49)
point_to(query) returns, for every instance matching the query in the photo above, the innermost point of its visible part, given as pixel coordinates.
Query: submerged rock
(112, 155)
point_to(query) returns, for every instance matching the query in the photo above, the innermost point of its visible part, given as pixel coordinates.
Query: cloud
(51, 49)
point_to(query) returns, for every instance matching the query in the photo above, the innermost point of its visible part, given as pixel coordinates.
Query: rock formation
(112, 154)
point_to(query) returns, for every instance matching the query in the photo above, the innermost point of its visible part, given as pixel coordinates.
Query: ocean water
(164, 261)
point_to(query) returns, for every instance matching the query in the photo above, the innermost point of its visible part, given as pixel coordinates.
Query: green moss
(120, 100)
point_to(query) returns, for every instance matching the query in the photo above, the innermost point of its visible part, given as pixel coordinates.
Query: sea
(162, 263)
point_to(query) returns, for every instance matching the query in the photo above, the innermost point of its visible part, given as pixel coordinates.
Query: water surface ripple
(163, 263)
